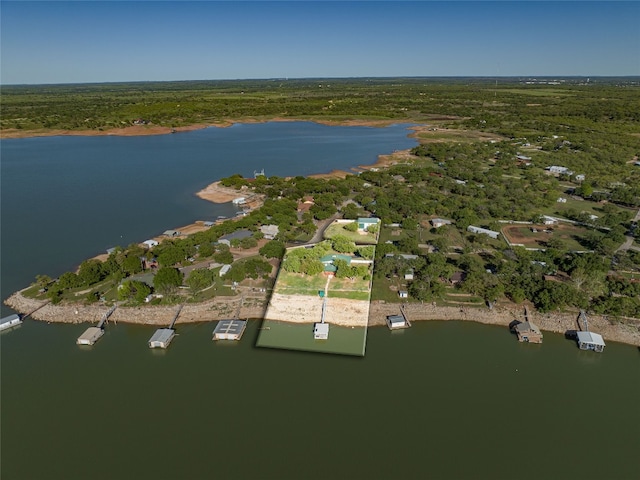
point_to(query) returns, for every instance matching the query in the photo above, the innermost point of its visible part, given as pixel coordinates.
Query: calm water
(440, 400)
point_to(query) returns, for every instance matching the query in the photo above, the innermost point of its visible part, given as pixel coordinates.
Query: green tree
(133, 290)
(273, 249)
(351, 227)
(200, 279)
(90, 271)
(342, 244)
(167, 279)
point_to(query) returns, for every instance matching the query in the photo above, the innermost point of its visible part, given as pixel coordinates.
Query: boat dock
(163, 336)
(397, 322)
(229, 329)
(93, 334)
(10, 321)
(588, 340)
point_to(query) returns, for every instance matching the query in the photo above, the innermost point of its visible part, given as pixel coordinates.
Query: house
(457, 277)
(523, 158)
(580, 177)
(239, 201)
(171, 233)
(269, 231)
(440, 222)
(483, 231)
(590, 341)
(403, 294)
(224, 270)
(150, 243)
(365, 223)
(409, 274)
(527, 332)
(547, 220)
(558, 170)
(305, 205)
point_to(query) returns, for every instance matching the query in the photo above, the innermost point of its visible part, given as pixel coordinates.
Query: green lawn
(359, 238)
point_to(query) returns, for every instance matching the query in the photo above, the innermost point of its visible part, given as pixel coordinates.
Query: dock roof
(590, 337)
(162, 335)
(230, 327)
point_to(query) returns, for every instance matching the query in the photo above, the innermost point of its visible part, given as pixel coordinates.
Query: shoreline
(255, 307)
(151, 129)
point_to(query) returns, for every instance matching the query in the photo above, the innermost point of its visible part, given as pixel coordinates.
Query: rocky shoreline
(254, 307)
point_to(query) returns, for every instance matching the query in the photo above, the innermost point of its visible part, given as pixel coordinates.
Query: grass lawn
(359, 238)
(299, 284)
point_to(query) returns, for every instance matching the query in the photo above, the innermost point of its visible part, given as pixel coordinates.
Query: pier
(93, 334)
(163, 336)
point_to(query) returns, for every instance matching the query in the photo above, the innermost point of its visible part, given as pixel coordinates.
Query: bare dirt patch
(308, 309)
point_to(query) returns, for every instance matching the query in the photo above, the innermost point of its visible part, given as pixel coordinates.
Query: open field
(360, 238)
(523, 234)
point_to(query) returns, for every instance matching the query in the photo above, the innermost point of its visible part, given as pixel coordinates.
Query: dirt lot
(523, 234)
(308, 309)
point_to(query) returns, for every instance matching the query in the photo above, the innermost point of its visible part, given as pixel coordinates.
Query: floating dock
(229, 330)
(162, 338)
(10, 321)
(90, 336)
(588, 340)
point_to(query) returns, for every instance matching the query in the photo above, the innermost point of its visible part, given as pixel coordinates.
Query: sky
(94, 41)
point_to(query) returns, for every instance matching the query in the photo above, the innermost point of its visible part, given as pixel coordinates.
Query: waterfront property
(365, 223)
(90, 336)
(162, 338)
(528, 332)
(395, 322)
(590, 341)
(10, 321)
(229, 329)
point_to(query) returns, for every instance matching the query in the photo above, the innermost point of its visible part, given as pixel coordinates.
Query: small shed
(150, 243)
(403, 294)
(320, 331)
(224, 270)
(590, 341)
(528, 332)
(408, 275)
(162, 338)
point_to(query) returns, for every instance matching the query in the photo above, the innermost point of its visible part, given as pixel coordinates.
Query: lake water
(440, 400)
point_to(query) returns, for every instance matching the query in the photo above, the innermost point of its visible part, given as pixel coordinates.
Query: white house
(224, 270)
(269, 231)
(483, 231)
(403, 294)
(440, 222)
(365, 223)
(150, 243)
(547, 220)
(556, 169)
(239, 201)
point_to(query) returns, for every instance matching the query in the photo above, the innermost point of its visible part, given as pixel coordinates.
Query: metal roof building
(320, 331)
(590, 341)
(90, 336)
(229, 329)
(162, 338)
(10, 321)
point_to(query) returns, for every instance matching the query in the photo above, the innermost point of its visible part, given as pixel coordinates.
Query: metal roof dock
(10, 321)
(591, 341)
(90, 336)
(162, 338)
(229, 330)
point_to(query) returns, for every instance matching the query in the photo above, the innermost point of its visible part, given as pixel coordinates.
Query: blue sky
(93, 41)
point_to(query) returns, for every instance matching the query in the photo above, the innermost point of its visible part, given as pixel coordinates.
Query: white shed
(320, 331)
